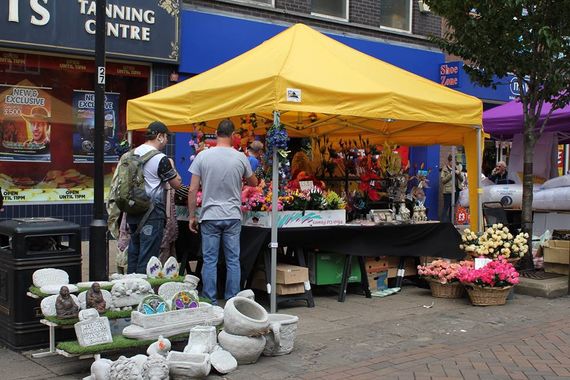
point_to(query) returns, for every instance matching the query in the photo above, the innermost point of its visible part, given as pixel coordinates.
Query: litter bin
(28, 244)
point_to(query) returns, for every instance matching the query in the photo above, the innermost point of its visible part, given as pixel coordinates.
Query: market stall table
(403, 240)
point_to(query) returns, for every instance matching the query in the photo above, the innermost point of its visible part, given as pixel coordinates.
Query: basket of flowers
(491, 284)
(495, 241)
(442, 278)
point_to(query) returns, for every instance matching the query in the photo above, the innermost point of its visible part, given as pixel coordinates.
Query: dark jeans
(446, 216)
(146, 243)
(214, 233)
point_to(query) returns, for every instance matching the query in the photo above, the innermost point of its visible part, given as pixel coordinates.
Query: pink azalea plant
(443, 271)
(252, 198)
(497, 273)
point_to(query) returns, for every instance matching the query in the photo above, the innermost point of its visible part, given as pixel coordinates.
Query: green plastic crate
(326, 268)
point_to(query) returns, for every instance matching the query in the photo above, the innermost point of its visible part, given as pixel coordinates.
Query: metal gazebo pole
(274, 208)
(479, 210)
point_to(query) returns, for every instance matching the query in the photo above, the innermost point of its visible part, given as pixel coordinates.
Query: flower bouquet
(491, 284)
(495, 241)
(442, 278)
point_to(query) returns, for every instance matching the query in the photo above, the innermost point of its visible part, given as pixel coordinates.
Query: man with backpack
(146, 212)
(220, 171)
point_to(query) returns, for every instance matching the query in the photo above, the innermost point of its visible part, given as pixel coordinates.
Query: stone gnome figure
(94, 298)
(65, 306)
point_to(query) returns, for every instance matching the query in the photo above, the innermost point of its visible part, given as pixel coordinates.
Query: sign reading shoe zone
(141, 29)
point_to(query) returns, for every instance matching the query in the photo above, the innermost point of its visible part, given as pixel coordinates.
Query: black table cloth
(424, 239)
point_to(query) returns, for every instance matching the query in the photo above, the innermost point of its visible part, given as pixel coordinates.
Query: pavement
(409, 335)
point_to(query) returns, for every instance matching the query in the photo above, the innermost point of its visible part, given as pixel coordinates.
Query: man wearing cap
(253, 153)
(158, 171)
(220, 170)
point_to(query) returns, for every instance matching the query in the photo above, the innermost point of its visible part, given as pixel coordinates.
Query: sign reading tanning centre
(146, 29)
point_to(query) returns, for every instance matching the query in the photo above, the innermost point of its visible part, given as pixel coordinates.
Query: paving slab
(549, 288)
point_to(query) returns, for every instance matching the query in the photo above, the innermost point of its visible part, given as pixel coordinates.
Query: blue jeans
(228, 232)
(147, 242)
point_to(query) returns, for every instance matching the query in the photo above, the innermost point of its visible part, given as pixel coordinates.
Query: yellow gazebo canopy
(321, 87)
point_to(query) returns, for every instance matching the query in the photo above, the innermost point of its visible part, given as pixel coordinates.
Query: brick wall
(364, 16)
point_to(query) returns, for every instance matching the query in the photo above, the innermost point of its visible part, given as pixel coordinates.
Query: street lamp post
(98, 245)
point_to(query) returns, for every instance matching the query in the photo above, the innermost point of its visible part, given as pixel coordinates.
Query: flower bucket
(487, 296)
(448, 290)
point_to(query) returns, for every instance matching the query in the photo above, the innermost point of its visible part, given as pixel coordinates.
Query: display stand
(307, 295)
(346, 273)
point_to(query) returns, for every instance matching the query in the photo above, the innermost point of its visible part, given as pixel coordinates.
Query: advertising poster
(25, 126)
(84, 121)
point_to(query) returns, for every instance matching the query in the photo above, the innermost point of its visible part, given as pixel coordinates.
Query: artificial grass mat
(111, 314)
(154, 282)
(119, 343)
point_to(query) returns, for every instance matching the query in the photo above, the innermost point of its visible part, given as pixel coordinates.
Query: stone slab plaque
(93, 331)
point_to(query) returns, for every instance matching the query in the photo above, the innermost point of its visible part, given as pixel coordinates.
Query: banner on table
(25, 123)
(84, 121)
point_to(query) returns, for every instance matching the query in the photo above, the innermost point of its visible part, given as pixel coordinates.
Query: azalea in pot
(442, 271)
(491, 284)
(496, 274)
(442, 278)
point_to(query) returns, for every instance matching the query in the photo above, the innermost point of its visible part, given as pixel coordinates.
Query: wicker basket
(449, 290)
(485, 296)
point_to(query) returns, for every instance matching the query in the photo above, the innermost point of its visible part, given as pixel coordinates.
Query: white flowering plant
(495, 241)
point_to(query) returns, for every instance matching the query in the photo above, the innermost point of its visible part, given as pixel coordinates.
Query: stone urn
(281, 336)
(243, 316)
(245, 349)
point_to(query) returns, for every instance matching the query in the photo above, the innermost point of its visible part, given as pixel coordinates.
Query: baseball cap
(157, 127)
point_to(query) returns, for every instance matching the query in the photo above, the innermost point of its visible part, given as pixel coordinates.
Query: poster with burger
(25, 124)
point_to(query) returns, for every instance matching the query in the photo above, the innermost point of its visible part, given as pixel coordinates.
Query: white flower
(505, 230)
(507, 245)
(500, 225)
(464, 238)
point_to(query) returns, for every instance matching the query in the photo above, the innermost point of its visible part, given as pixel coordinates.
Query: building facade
(47, 76)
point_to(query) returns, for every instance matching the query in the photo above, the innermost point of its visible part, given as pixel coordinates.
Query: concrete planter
(246, 317)
(245, 349)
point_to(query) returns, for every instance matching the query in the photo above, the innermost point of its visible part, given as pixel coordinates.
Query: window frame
(346, 18)
(271, 3)
(408, 31)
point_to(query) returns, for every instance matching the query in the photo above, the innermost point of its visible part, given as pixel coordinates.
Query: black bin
(26, 245)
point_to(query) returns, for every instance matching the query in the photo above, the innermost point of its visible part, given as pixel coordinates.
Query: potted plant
(495, 241)
(491, 284)
(442, 278)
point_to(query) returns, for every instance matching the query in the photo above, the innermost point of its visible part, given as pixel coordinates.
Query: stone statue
(94, 298)
(65, 307)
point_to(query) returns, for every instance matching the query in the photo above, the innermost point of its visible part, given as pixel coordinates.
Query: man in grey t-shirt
(220, 170)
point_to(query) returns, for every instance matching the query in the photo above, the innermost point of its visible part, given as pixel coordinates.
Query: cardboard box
(409, 269)
(378, 281)
(326, 268)
(556, 268)
(291, 274)
(283, 289)
(379, 264)
(557, 251)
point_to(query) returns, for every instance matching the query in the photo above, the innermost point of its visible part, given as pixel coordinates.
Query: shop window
(396, 14)
(330, 8)
(47, 125)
